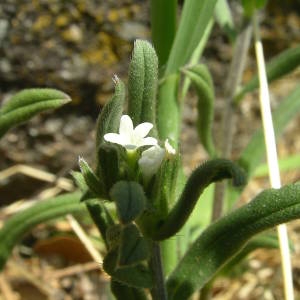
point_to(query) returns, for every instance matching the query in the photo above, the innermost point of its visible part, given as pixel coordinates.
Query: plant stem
(159, 291)
(233, 81)
(272, 159)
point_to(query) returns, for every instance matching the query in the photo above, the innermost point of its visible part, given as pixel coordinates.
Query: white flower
(129, 137)
(151, 160)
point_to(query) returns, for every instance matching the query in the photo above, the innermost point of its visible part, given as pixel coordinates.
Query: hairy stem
(158, 291)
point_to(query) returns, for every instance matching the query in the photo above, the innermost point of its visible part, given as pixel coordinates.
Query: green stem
(158, 291)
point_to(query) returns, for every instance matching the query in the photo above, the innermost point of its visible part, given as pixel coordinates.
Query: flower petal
(147, 141)
(143, 129)
(126, 127)
(151, 160)
(114, 138)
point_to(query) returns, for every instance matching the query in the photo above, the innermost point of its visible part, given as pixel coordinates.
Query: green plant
(139, 168)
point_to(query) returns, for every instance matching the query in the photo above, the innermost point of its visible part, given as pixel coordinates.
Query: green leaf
(224, 18)
(280, 65)
(251, 5)
(142, 84)
(204, 175)
(123, 292)
(138, 276)
(163, 27)
(109, 118)
(133, 247)
(92, 181)
(108, 168)
(21, 223)
(253, 154)
(261, 241)
(26, 104)
(227, 236)
(113, 236)
(289, 163)
(130, 200)
(79, 180)
(100, 216)
(193, 22)
(202, 82)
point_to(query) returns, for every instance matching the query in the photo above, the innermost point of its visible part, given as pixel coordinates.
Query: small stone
(73, 34)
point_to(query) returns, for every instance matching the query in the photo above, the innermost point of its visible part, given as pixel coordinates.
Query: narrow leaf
(142, 84)
(227, 236)
(108, 168)
(163, 27)
(202, 82)
(130, 200)
(92, 181)
(26, 104)
(253, 154)
(21, 223)
(224, 18)
(100, 215)
(280, 65)
(109, 118)
(193, 22)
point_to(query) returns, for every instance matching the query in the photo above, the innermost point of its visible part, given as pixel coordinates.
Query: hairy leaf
(19, 224)
(27, 103)
(109, 118)
(227, 236)
(130, 200)
(205, 174)
(142, 84)
(91, 179)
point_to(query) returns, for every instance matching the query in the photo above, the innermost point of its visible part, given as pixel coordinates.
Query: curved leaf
(205, 174)
(202, 82)
(27, 103)
(19, 224)
(226, 237)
